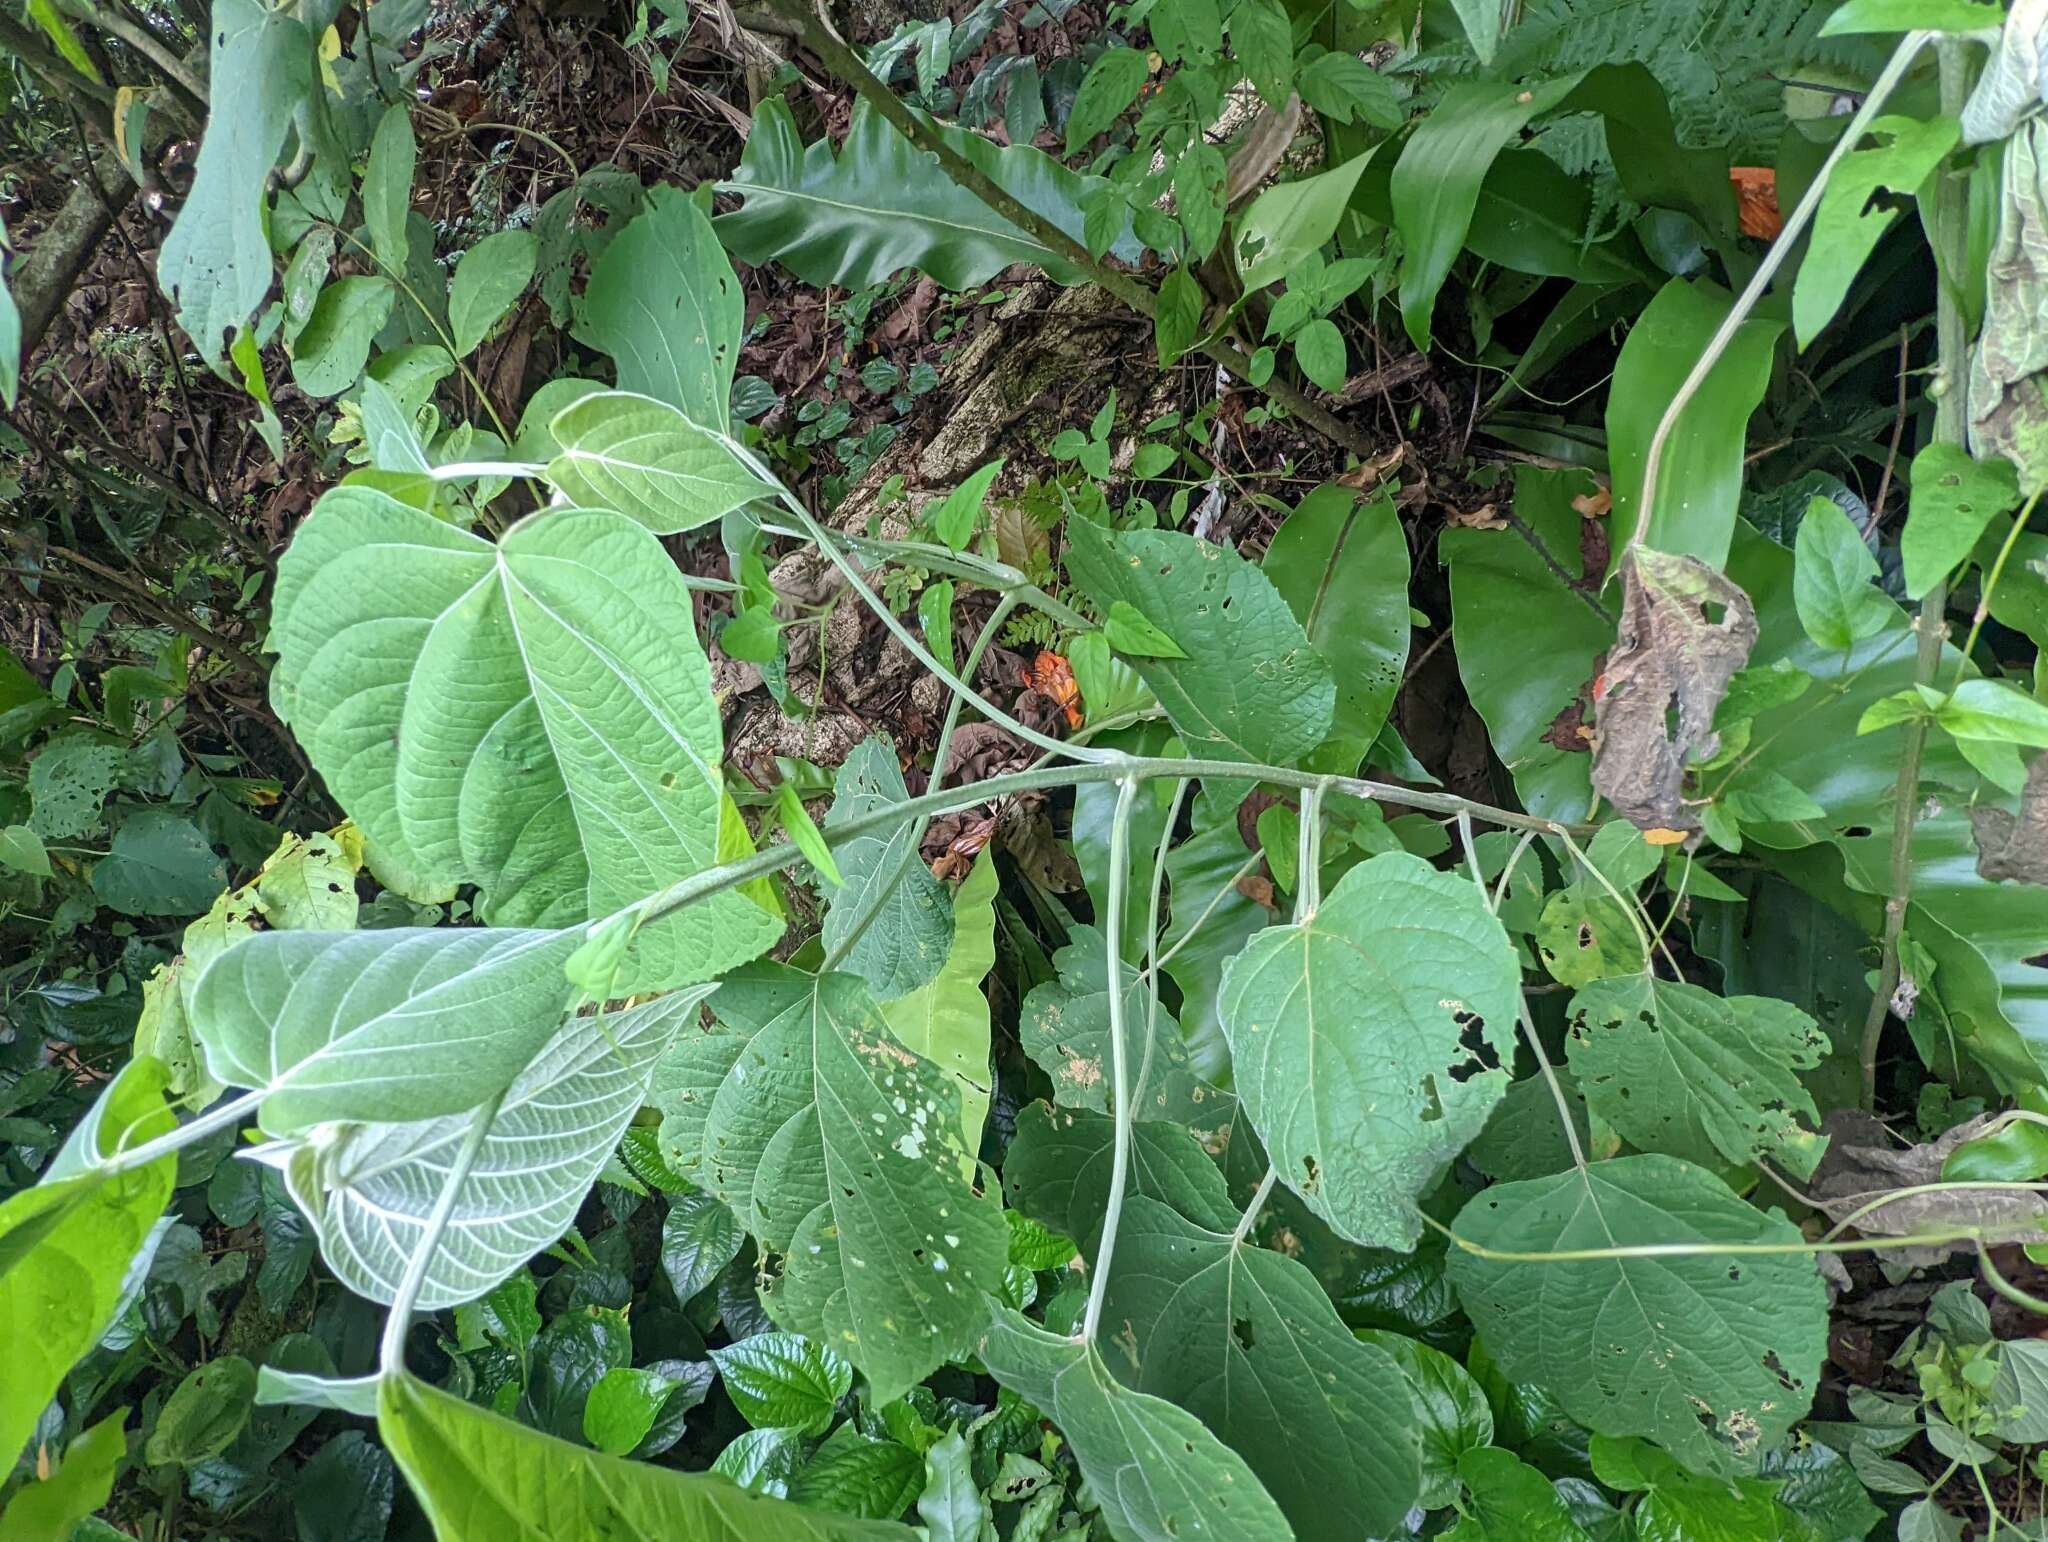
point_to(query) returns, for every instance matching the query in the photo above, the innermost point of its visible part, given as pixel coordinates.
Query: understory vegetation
(1237, 769)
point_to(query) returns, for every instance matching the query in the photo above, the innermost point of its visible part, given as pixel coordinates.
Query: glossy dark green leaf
(160, 864)
(872, 1479)
(1058, 1169)
(784, 1381)
(204, 1413)
(699, 1237)
(1451, 1413)
(1511, 1499)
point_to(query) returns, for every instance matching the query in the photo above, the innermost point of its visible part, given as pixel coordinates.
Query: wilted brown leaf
(1863, 1164)
(1486, 517)
(2015, 846)
(1672, 654)
(2008, 402)
(1597, 504)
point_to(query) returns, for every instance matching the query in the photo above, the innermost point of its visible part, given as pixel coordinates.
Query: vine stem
(1120, 1158)
(221, 1117)
(1152, 959)
(391, 1354)
(1257, 1203)
(1951, 344)
(1983, 611)
(1781, 248)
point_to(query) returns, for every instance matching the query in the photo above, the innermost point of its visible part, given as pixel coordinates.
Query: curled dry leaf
(1864, 1163)
(2011, 845)
(1597, 504)
(2008, 402)
(1486, 517)
(1672, 653)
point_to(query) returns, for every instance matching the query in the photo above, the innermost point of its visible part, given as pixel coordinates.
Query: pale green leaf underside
(534, 718)
(1247, 1341)
(646, 460)
(1714, 1357)
(903, 947)
(369, 1189)
(407, 1023)
(1360, 1039)
(947, 1020)
(1156, 1471)
(481, 1478)
(842, 1150)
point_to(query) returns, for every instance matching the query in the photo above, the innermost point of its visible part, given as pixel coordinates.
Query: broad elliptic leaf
(530, 717)
(1251, 687)
(904, 943)
(952, 1506)
(481, 1478)
(407, 1023)
(1058, 1166)
(1369, 1038)
(1451, 1412)
(1512, 1500)
(881, 205)
(1834, 585)
(67, 1243)
(1713, 1356)
(1157, 1472)
(665, 304)
(216, 263)
(784, 1381)
(699, 1237)
(1955, 497)
(490, 277)
(946, 1021)
(1342, 567)
(1853, 214)
(387, 186)
(160, 864)
(370, 1189)
(840, 1150)
(329, 354)
(1246, 1341)
(646, 460)
(1713, 1079)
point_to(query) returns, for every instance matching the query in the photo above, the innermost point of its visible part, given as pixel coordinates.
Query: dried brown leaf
(2015, 846)
(1863, 1164)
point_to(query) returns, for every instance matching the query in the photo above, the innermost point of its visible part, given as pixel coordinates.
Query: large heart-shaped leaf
(644, 458)
(1369, 1039)
(533, 717)
(369, 1189)
(407, 1023)
(843, 1151)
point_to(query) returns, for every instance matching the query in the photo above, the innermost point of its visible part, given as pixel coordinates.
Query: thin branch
(391, 1355)
(1120, 1158)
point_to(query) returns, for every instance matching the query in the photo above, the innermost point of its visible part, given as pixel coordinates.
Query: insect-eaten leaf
(1674, 654)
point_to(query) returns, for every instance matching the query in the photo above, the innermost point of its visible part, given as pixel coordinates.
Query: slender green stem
(2012, 539)
(959, 564)
(224, 1116)
(391, 1356)
(1223, 890)
(1120, 1159)
(1250, 1217)
(1152, 959)
(1949, 232)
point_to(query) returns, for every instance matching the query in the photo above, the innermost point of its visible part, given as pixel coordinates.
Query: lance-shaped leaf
(533, 717)
(1713, 1356)
(408, 1023)
(1246, 1341)
(841, 1150)
(883, 205)
(1713, 1079)
(947, 1020)
(1058, 1165)
(1251, 687)
(481, 1478)
(903, 945)
(1369, 1039)
(644, 458)
(1157, 1472)
(369, 1189)
(66, 1245)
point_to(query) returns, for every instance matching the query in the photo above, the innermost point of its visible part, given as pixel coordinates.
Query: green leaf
(1058, 1166)
(66, 1245)
(796, 819)
(1995, 710)
(1954, 499)
(1110, 86)
(1249, 686)
(204, 1415)
(1852, 215)
(1713, 1357)
(754, 635)
(488, 281)
(1452, 1415)
(664, 303)
(1262, 38)
(1291, 220)
(1246, 1341)
(905, 944)
(1584, 935)
(369, 1190)
(699, 1237)
(957, 516)
(646, 460)
(329, 353)
(389, 432)
(1912, 16)
(1191, 31)
(952, 1506)
(874, 1479)
(50, 1506)
(1343, 87)
(1178, 325)
(946, 1020)
(481, 1478)
(840, 1149)
(1319, 350)
(160, 864)
(399, 1024)
(882, 205)
(58, 29)
(935, 620)
(1677, 1503)
(387, 187)
(1484, 21)
(1342, 567)
(1200, 184)
(1676, 1069)
(783, 1380)
(215, 263)
(1511, 1499)
(1155, 1470)
(1131, 633)
(22, 850)
(1412, 1008)
(1699, 482)
(344, 1494)
(536, 722)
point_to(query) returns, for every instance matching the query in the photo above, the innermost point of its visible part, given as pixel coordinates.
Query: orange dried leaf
(1661, 837)
(1757, 189)
(1597, 504)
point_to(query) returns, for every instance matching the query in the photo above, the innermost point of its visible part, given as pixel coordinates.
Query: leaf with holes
(1715, 1357)
(1368, 1040)
(526, 717)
